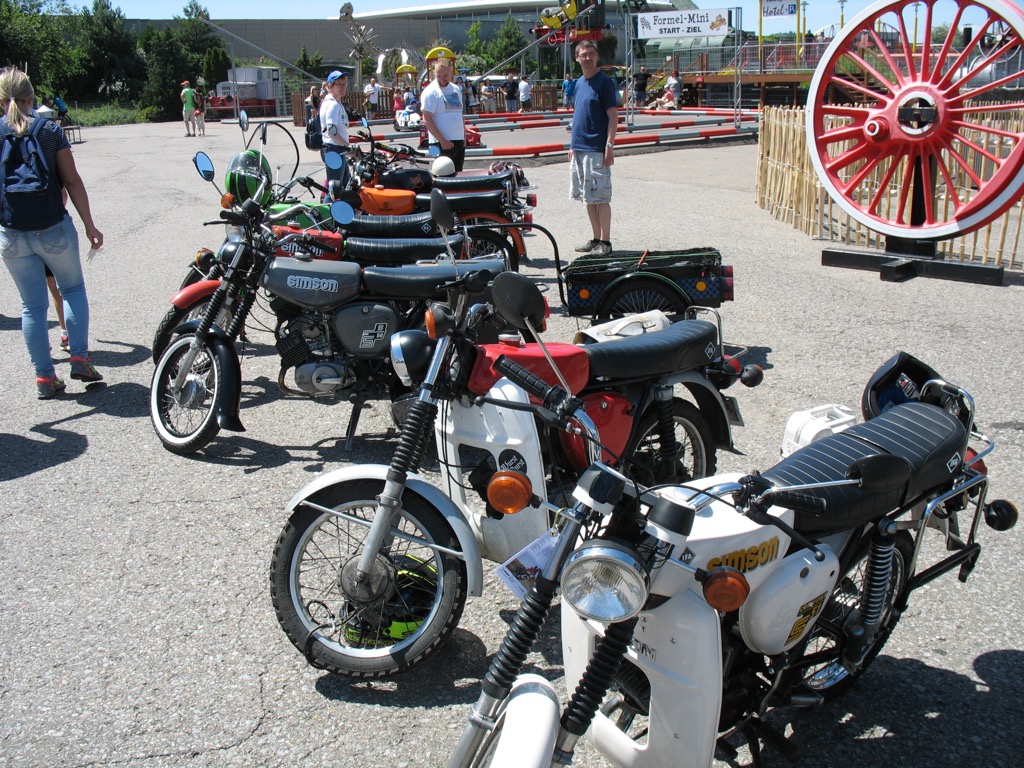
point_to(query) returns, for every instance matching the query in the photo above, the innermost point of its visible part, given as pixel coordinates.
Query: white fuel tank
(781, 610)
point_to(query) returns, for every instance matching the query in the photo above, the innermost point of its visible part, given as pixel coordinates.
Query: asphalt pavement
(137, 626)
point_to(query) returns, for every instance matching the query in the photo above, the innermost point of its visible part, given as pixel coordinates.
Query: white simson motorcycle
(688, 611)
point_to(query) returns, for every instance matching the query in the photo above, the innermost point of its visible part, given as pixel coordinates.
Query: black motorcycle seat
(406, 250)
(927, 437)
(420, 281)
(463, 183)
(683, 345)
(407, 225)
(468, 202)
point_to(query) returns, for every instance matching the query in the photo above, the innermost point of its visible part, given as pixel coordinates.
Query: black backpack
(314, 134)
(30, 198)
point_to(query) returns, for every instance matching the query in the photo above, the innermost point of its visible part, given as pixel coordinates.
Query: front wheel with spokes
(185, 416)
(411, 604)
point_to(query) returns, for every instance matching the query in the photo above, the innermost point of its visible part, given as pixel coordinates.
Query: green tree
(195, 37)
(216, 64)
(112, 65)
(507, 42)
(37, 35)
(166, 66)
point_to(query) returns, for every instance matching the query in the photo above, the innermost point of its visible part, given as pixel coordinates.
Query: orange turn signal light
(430, 324)
(227, 201)
(509, 492)
(726, 589)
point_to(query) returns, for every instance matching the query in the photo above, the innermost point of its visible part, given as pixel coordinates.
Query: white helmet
(443, 166)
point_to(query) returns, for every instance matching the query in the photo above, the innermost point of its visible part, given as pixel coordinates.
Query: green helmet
(246, 171)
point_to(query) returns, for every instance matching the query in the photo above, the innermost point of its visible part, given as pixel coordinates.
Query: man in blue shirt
(591, 149)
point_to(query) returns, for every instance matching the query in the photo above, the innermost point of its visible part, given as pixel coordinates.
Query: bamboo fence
(789, 189)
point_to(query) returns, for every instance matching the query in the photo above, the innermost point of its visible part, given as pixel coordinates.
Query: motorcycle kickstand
(353, 421)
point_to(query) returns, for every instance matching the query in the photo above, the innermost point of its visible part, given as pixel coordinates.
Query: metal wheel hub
(365, 589)
(193, 394)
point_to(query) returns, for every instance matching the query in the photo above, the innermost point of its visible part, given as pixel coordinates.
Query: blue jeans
(341, 174)
(26, 255)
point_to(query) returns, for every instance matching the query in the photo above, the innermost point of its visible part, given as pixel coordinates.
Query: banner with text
(696, 23)
(775, 8)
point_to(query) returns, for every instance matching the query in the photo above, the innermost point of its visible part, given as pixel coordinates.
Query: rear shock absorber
(859, 636)
(668, 446)
(876, 582)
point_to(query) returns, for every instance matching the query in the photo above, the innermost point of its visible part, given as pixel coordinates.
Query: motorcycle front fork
(199, 337)
(419, 422)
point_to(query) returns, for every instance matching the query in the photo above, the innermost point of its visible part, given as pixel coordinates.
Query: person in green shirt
(188, 108)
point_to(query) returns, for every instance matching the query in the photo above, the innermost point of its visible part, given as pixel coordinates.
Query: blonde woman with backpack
(36, 231)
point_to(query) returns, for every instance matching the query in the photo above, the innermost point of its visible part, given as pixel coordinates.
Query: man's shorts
(590, 180)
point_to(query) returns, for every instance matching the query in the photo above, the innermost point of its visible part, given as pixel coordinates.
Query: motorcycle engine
(365, 329)
(304, 343)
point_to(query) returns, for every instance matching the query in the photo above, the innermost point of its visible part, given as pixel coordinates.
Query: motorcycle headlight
(604, 581)
(410, 355)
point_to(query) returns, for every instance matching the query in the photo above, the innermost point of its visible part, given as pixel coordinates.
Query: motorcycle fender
(188, 295)
(679, 649)
(231, 372)
(711, 403)
(530, 725)
(430, 493)
(517, 236)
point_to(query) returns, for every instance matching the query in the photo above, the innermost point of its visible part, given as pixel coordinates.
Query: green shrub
(149, 115)
(108, 114)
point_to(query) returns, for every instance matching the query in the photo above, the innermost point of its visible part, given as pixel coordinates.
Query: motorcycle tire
(699, 458)
(642, 294)
(420, 603)
(175, 317)
(187, 421)
(487, 243)
(831, 679)
(513, 254)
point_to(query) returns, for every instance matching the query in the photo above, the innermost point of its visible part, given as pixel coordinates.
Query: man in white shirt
(334, 121)
(525, 94)
(372, 93)
(441, 106)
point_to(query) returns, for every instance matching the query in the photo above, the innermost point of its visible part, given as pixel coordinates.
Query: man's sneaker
(587, 247)
(47, 388)
(65, 344)
(601, 249)
(82, 369)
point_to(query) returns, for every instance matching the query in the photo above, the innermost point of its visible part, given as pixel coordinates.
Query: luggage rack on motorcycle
(627, 282)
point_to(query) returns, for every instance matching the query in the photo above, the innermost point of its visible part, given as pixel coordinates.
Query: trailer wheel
(642, 294)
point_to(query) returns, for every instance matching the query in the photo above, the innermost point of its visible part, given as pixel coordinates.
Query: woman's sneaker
(48, 387)
(65, 344)
(587, 247)
(82, 369)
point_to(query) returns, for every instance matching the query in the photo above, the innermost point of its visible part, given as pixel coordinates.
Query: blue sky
(820, 12)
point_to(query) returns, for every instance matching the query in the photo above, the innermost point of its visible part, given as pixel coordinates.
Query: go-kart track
(537, 134)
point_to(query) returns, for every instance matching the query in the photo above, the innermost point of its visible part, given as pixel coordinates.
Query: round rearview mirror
(434, 150)
(516, 299)
(441, 210)
(243, 121)
(333, 160)
(366, 123)
(342, 213)
(204, 165)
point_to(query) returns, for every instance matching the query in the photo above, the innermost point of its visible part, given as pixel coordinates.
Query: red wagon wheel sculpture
(919, 141)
